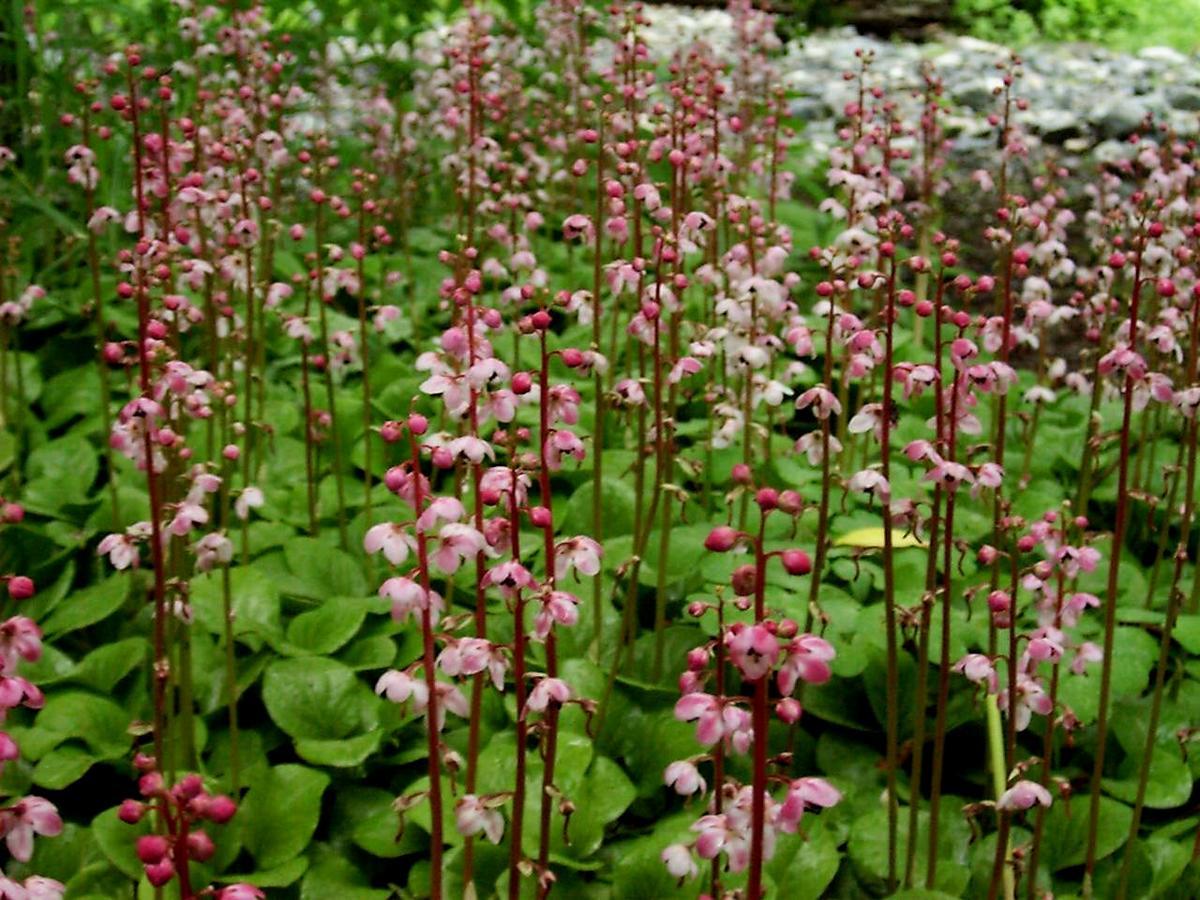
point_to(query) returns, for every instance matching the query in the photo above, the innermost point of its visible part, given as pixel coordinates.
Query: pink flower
(241, 892)
(872, 483)
(121, 550)
(678, 860)
(979, 669)
(473, 816)
(805, 793)
(20, 638)
(822, 401)
(469, 656)
(714, 719)
(509, 576)
(808, 658)
(557, 606)
(440, 510)
(1077, 559)
(25, 818)
(562, 443)
(949, 475)
(869, 418)
(687, 365)
(408, 598)
(545, 692)
(577, 226)
(212, 550)
(685, 778)
(752, 649)
(579, 553)
(18, 691)
(1023, 795)
(38, 887)
(457, 542)
(721, 833)
(1031, 698)
(1085, 653)
(392, 539)
(400, 687)
(250, 498)
(988, 475)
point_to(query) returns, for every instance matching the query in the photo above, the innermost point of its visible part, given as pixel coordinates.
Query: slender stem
(1174, 602)
(760, 718)
(1114, 573)
(433, 748)
(889, 582)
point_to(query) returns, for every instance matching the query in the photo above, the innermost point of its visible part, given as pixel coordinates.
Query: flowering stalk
(1175, 596)
(1114, 562)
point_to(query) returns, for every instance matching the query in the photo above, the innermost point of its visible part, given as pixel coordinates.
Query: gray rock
(1184, 96)
(1055, 126)
(976, 94)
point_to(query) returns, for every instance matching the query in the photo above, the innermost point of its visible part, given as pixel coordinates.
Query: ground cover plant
(490, 464)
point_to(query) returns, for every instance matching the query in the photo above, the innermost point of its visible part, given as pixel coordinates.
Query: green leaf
(255, 602)
(605, 794)
(332, 875)
(340, 753)
(117, 840)
(868, 847)
(278, 877)
(617, 500)
(805, 868)
(327, 628)
(280, 813)
(1131, 666)
(321, 571)
(1065, 838)
(105, 666)
(97, 721)
(318, 699)
(369, 817)
(1187, 633)
(88, 606)
(62, 766)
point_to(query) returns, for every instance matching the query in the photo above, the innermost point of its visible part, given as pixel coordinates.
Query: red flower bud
(721, 539)
(796, 562)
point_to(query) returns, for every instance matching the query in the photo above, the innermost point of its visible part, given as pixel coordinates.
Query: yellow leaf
(872, 536)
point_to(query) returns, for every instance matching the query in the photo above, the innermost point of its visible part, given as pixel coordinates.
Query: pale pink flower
(678, 860)
(685, 778)
(807, 659)
(557, 607)
(753, 649)
(394, 540)
(250, 498)
(979, 669)
(441, 510)
(579, 553)
(457, 542)
(545, 692)
(473, 816)
(409, 598)
(1023, 795)
(25, 818)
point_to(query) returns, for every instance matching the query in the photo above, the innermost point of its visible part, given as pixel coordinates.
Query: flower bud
(744, 580)
(788, 709)
(721, 539)
(200, 846)
(160, 873)
(20, 587)
(152, 848)
(131, 812)
(796, 562)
